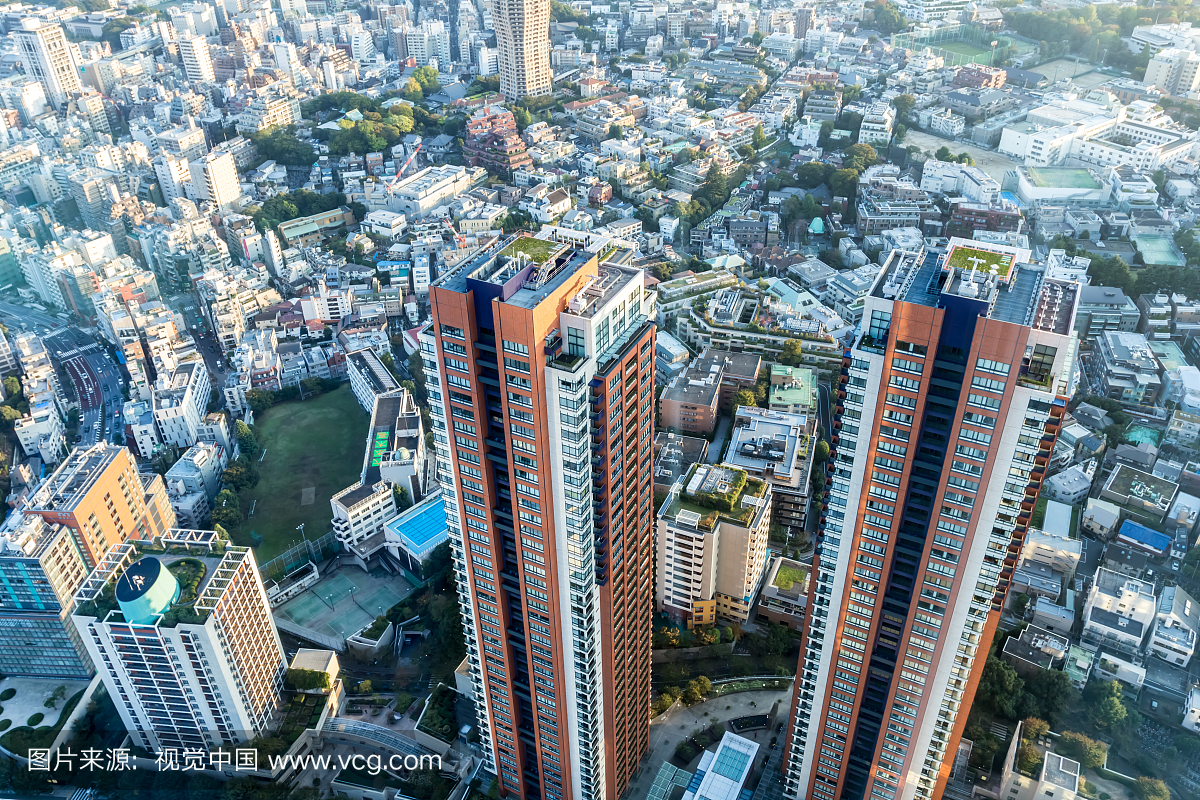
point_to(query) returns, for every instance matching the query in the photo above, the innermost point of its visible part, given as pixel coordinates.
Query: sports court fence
(315, 550)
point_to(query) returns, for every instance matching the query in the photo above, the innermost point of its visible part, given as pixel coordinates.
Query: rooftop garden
(439, 718)
(189, 572)
(712, 506)
(538, 251)
(968, 258)
(787, 577)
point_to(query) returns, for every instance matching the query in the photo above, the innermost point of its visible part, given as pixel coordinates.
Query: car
(1175, 565)
(1100, 244)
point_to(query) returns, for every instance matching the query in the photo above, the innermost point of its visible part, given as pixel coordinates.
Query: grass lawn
(315, 444)
(538, 250)
(964, 48)
(967, 258)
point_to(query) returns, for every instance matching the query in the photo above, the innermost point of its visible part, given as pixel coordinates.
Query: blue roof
(422, 527)
(1138, 532)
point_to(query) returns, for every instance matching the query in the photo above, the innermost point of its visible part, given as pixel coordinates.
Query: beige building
(712, 539)
(523, 39)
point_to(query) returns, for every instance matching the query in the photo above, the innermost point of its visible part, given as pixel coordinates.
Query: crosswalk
(79, 351)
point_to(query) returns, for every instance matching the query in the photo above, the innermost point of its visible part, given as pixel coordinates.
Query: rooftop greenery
(961, 259)
(787, 577)
(538, 250)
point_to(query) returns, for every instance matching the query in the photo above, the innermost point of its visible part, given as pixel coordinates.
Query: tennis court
(1159, 251)
(345, 602)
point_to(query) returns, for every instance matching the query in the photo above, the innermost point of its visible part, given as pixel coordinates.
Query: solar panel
(687, 518)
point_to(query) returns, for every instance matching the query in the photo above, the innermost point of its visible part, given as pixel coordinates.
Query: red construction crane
(400, 172)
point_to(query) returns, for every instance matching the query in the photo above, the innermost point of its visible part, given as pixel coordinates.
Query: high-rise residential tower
(197, 62)
(48, 56)
(947, 412)
(184, 643)
(523, 39)
(541, 383)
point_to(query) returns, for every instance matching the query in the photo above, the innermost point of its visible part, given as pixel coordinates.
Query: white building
(197, 62)
(179, 403)
(47, 56)
(369, 378)
(877, 124)
(215, 177)
(192, 663)
(362, 511)
(959, 180)
(1175, 627)
(1120, 612)
(385, 223)
(423, 191)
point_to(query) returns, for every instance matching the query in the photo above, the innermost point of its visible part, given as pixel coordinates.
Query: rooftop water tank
(145, 590)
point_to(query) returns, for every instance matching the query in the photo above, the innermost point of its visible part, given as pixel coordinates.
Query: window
(1039, 362)
(515, 347)
(908, 384)
(602, 336)
(911, 349)
(981, 420)
(881, 324)
(453, 332)
(576, 345)
(987, 384)
(454, 363)
(516, 380)
(904, 365)
(901, 400)
(516, 364)
(994, 367)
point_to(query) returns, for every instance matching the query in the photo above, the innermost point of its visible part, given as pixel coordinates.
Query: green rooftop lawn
(538, 250)
(961, 258)
(1065, 177)
(786, 577)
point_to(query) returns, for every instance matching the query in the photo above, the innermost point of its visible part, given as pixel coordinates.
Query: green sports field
(311, 444)
(964, 48)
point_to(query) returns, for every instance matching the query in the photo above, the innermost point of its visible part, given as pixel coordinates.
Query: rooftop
(71, 482)
(711, 493)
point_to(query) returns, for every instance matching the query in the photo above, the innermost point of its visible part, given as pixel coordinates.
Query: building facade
(930, 484)
(523, 39)
(541, 377)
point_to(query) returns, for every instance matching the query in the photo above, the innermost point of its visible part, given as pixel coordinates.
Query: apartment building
(180, 400)
(48, 57)
(877, 124)
(1119, 612)
(524, 48)
(777, 447)
(711, 538)
(1176, 625)
(193, 481)
(98, 493)
(41, 567)
(689, 403)
(919, 513)
(1126, 368)
(185, 644)
(1104, 308)
(361, 511)
(541, 376)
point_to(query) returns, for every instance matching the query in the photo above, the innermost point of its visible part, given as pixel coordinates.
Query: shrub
(8, 694)
(35, 719)
(302, 679)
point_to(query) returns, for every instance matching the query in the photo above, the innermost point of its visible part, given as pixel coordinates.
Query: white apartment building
(327, 305)
(959, 180)
(1174, 71)
(361, 511)
(1163, 36)
(877, 124)
(197, 62)
(1120, 612)
(215, 177)
(709, 565)
(430, 42)
(188, 667)
(369, 378)
(1175, 627)
(179, 403)
(269, 108)
(41, 432)
(194, 480)
(927, 10)
(50, 58)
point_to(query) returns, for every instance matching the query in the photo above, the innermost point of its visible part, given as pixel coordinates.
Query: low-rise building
(1035, 650)
(777, 447)
(784, 595)
(369, 377)
(193, 482)
(712, 539)
(1119, 612)
(1176, 627)
(1127, 369)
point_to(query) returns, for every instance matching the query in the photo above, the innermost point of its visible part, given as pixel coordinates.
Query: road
(97, 381)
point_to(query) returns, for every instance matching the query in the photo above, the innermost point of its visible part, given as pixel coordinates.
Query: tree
(8, 417)
(810, 207)
(247, 441)
(1052, 691)
(821, 451)
(226, 511)
(863, 152)
(743, 397)
(1151, 789)
(365, 687)
(412, 92)
(12, 388)
(1000, 687)
(904, 104)
(703, 684)
(616, 132)
(812, 174)
(279, 144)
(1033, 727)
(427, 78)
(403, 500)
(1088, 752)
(844, 183)
(900, 132)
(241, 474)
(759, 138)
(888, 19)
(943, 154)
(792, 353)
(1104, 704)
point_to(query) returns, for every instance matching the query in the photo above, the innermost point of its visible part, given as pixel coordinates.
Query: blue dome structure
(145, 590)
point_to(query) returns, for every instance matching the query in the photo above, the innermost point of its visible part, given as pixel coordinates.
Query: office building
(180, 402)
(48, 56)
(41, 567)
(710, 557)
(522, 37)
(197, 63)
(541, 376)
(930, 483)
(98, 493)
(185, 644)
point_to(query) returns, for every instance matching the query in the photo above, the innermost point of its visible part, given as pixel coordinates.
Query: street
(97, 382)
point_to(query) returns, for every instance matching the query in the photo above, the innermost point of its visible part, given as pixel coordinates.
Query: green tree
(247, 441)
(792, 353)
(12, 389)
(844, 183)
(412, 91)
(1033, 727)
(427, 77)
(812, 174)
(1000, 687)
(1088, 752)
(759, 138)
(943, 154)
(8, 417)
(1105, 705)
(281, 145)
(226, 511)
(743, 397)
(821, 451)
(615, 132)
(1151, 789)
(704, 685)
(888, 19)
(904, 104)
(403, 500)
